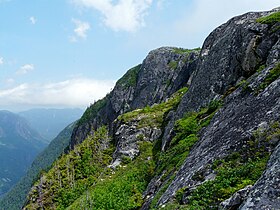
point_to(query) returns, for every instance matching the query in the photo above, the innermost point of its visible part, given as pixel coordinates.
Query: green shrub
(179, 194)
(232, 175)
(73, 173)
(213, 106)
(261, 68)
(172, 159)
(186, 130)
(125, 159)
(122, 190)
(244, 84)
(92, 111)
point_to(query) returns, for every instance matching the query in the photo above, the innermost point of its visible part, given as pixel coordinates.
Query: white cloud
(25, 69)
(33, 20)
(1, 60)
(69, 93)
(123, 15)
(80, 30)
(14, 94)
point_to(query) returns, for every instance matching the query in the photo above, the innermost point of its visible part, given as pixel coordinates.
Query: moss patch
(183, 51)
(124, 188)
(130, 78)
(173, 65)
(270, 19)
(271, 77)
(153, 116)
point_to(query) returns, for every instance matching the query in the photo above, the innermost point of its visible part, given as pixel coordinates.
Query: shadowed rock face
(163, 72)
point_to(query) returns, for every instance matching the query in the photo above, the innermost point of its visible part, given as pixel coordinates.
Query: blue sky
(68, 53)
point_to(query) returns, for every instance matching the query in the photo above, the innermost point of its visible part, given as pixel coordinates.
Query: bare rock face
(163, 72)
(128, 136)
(235, 49)
(236, 199)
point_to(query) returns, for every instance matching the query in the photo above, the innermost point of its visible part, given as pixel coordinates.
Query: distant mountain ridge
(16, 197)
(19, 145)
(49, 122)
(22, 137)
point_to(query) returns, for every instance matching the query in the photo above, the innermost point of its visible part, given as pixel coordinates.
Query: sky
(70, 53)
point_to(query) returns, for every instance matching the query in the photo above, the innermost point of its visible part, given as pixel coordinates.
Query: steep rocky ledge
(164, 71)
(186, 129)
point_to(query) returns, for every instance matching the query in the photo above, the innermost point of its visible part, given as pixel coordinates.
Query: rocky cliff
(186, 129)
(163, 72)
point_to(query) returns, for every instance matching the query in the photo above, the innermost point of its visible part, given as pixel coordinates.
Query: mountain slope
(19, 144)
(168, 80)
(49, 122)
(210, 141)
(16, 197)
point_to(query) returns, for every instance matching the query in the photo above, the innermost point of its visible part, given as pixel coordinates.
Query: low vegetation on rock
(270, 19)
